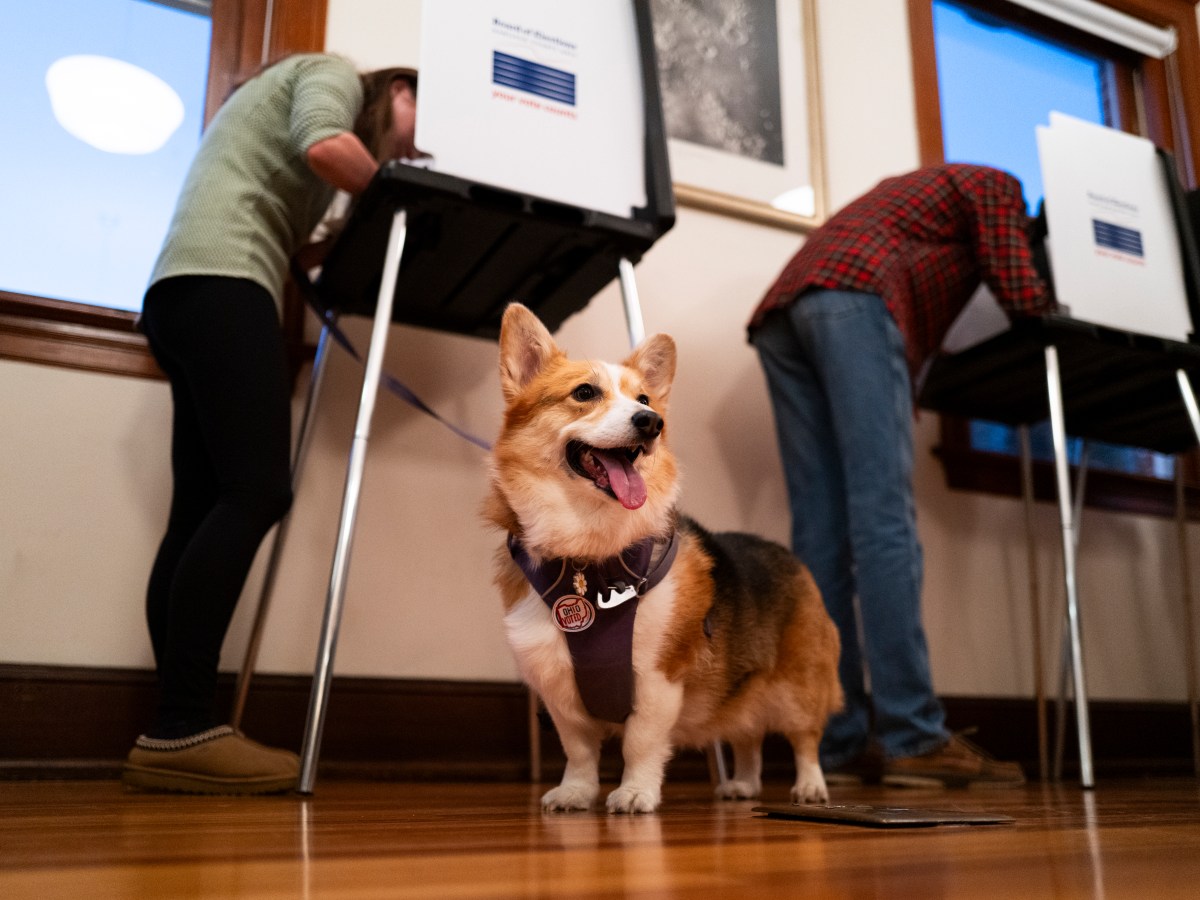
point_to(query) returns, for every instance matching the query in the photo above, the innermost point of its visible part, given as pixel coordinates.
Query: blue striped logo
(1117, 237)
(533, 78)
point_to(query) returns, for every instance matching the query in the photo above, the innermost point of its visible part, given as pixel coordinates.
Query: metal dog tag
(573, 613)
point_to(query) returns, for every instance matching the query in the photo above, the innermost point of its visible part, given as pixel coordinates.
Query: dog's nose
(648, 423)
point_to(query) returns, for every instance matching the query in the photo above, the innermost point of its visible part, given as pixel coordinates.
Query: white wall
(84, 486)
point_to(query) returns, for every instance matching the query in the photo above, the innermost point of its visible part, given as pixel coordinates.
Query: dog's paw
(738, 790)
(810, 788)
(633, 800)
(569, 796)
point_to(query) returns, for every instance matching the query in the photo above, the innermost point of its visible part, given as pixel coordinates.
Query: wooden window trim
(82, 336)
(1176, 130)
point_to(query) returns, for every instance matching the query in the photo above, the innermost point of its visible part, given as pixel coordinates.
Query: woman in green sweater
(266, 171)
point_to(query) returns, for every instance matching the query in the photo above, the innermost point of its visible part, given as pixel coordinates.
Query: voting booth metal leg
(1035, 604)
(1069, 526)
(1064, 659)
(633, 306)
(299, 454)
(637, 334)
(1189, 622)
(340, 569)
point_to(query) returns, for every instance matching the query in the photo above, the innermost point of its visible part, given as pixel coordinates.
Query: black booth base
(1117, 386)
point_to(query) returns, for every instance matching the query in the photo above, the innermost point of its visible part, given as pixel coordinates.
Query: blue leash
(389, 381)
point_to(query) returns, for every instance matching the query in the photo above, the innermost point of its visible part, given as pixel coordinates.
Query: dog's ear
(655, 359)
(525, 348)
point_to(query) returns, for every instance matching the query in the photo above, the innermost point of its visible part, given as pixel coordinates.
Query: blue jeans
(839, 385)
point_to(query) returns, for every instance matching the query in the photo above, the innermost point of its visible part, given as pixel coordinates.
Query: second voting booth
(1116, 365)
(547, 179)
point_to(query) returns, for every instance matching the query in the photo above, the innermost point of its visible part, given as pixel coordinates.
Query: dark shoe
(866, 768)
(218, 761)
(958, 763)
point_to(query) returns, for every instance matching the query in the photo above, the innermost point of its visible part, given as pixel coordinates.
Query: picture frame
(741, 100)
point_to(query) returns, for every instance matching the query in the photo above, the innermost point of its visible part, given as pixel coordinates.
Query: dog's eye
(584, 393)
(644, 400)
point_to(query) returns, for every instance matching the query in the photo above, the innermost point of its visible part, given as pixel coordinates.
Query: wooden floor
(92, 839)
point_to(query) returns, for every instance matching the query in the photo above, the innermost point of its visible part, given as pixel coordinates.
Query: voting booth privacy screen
(537, 96)
(1119, 248)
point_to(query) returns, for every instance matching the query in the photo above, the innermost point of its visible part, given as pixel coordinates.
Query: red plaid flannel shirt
(923, 242)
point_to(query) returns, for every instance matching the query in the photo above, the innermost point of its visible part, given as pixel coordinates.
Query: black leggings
(219, 342)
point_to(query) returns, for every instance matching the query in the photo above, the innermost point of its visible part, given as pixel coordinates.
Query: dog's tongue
(623, 478)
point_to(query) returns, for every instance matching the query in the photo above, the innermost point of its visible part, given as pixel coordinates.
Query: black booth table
(1094, 383)
(472, 249)
(433, 250)
(1117, 386)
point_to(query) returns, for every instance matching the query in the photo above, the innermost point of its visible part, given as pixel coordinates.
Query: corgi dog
(627, 617)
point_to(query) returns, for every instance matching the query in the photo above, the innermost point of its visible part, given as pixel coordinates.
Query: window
(73, 310)
(996, 84)
(987, 72)
(108, 99)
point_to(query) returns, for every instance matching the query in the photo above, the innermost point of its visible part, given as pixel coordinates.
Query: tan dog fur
(768, 662)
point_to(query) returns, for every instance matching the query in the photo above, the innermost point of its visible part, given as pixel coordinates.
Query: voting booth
(547, 178)
(1117, 364)
(547, 167)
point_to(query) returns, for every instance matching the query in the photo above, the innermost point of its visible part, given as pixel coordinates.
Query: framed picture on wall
(742, 108)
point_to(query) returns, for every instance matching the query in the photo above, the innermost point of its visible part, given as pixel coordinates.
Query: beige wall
(84, 485)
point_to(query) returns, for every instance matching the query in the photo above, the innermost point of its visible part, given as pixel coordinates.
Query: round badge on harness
(573, 613)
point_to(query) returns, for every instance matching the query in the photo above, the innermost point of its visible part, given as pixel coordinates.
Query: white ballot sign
(1114, 244)
(540, 97)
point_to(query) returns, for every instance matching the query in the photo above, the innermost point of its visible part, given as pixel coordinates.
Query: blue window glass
(103, 104)
(998, 84)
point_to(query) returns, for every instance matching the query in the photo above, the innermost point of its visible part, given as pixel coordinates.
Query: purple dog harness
(594, 604)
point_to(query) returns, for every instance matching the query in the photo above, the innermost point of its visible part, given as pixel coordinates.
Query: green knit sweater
(250, 199)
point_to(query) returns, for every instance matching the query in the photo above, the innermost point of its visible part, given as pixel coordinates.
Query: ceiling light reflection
(113, 105)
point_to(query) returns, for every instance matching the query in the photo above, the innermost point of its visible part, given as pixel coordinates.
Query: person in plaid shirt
(840, 335)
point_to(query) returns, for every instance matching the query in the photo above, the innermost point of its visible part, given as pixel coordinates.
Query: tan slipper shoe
(218, 761)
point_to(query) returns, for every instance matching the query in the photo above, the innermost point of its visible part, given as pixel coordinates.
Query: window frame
(101, 339)
(1175, 129)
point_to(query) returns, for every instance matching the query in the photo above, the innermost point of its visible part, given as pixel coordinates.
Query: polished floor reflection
(92, 839)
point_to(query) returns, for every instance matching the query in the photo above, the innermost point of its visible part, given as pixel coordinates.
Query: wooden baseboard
(66, 722)
(56, 718)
